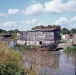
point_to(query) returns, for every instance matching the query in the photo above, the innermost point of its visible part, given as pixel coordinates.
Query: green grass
(71, 49)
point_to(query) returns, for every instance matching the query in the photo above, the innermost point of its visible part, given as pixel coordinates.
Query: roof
(48, 29)
(42, 29)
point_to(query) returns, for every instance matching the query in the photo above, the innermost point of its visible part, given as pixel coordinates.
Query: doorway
(40, 42)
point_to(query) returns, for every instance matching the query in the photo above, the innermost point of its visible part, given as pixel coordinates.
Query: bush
(11, 62)
(69, 49)
(10, 69)
(25, 47)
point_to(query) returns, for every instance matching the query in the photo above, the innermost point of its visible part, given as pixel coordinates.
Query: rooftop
(48, 29)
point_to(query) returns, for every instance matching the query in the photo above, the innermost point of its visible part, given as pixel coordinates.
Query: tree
(38, 27)
(48, 26)
(72, 31)
(16, 30)
(2, 31)
(65, 31)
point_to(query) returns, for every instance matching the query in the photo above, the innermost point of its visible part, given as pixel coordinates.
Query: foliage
(2, 31)
(71, 49)
(49, 26)
(10, 69)
(72, 31)
(13, 32)
(11, 61)
(65, 31)
(25, 47)
(37, 27)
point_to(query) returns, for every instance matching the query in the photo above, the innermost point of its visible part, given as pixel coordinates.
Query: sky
(26, 14)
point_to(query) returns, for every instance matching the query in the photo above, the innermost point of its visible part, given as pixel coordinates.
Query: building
(7, 35)
(1, 38)
(65, 37)
(41, 36)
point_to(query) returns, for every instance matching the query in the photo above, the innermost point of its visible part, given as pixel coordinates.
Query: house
(19, 35)
(1, 38)
(7, 35)
(65, 37)
(40, 37)
(74, 40)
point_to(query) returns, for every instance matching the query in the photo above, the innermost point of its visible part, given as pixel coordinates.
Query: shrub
(11, 62)
(69, 49)
(10, 69)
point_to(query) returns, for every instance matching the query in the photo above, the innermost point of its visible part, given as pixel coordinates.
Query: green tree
(72, 31)
(65, 31)
(48, 26)
(16, 30)
(2, 31)
(38, 27)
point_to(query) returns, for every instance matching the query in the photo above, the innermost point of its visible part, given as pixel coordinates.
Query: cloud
(9, 24)
(40, 23)
(63, 22)
(54, 6)
(2, 15)
(74, 19)
(57, 6)
(73, 23)
(33, 1)
(33, 9)
(30, 22)
(13, 11)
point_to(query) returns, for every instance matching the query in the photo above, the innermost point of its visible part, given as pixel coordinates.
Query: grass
(1, 34)
(11, 62)
(71, 49)
(26, 47)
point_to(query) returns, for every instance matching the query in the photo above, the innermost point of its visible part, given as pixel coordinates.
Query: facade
(41, 36)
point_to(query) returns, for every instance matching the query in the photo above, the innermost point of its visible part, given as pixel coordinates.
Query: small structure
(19, 35)
(65, 37)
(74, 40)
(7, 35)
(1, 38)
(41, 37)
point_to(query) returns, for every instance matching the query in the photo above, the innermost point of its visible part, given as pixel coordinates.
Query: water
(50, 63)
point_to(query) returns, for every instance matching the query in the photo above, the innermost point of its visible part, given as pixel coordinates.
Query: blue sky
(25, 14)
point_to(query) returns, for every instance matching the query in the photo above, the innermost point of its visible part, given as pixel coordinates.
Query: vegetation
(63, 30)
(71, 49)
(14, 35)
(11, 62)
(2, 32)
(26, 47)
(49, 26)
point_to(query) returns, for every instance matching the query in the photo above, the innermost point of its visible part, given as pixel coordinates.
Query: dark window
(40, 42)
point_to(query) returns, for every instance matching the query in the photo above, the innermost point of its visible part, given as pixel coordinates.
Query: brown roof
(48, 29)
